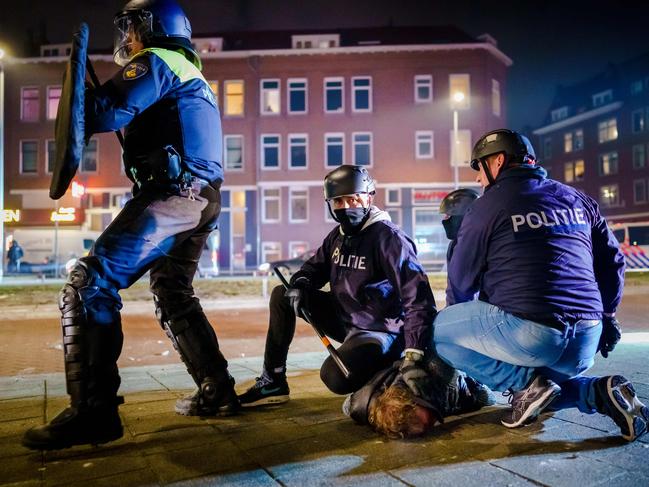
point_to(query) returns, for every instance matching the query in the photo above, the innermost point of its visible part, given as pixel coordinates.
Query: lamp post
(2, 163)
(458, 97)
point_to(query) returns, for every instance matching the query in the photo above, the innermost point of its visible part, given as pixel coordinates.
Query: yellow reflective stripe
(177, 63)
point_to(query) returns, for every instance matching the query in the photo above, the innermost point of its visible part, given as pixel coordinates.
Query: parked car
(287, 266)
(41, 269)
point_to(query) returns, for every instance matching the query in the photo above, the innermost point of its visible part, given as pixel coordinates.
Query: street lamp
(2, 163)
(458, 98)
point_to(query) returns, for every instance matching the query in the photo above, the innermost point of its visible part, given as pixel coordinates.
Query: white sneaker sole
(266, 401)
(629, 407)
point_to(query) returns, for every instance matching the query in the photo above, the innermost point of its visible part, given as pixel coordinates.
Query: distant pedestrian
(14, 255)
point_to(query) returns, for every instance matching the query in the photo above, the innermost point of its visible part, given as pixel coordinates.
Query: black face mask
(452, 226)
(351, 219)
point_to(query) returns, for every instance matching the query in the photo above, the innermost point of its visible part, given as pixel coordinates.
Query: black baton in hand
(325, 341)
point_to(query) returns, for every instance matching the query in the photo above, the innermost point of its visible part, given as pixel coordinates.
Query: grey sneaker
(616, 398)
(530, 402)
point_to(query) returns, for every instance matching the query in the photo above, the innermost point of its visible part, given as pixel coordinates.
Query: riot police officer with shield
(172, 153)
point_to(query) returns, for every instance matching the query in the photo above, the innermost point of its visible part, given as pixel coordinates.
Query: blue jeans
(504, 351)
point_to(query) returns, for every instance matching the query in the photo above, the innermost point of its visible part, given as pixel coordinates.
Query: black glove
(299, 299)
(611, 334)
(414, 374)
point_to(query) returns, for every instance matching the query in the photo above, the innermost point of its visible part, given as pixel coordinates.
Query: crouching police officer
(172, 153)
(380, 298)
(550, 277)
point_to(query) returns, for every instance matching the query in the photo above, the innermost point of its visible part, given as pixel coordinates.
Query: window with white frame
(29, 104)
(393, 196)
(362, 148)
(547, 148)
(334, 149)
(50, 153)
(559, 114)
(608, 163)
(233, 148)
(639, 156)
(270, 97)
(234, 91)
(573, 171)
(271, 251)
(607, 130)
(334, 95)
(295, 249)
(89, 160)
(573, 141)
(460, 91)
(362, 94)
(424, 148)
(638, 120)
(28, 156)
(53, 97)
(271, 206)
(298, 205)
(640, 191)
(495, 97)
(460, 147)
(297, 151)
(270, 150)
(395, 215)
(609, 196)
(297, 95)
(423, 88)
(602, 98)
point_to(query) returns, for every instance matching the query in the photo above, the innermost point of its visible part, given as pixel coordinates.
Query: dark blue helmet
(155, 23)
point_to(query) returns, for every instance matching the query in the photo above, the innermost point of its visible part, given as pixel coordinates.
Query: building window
(28, 157)
(53, 97)
(460, 84)
(607, 130)
(567, 142)
(30, 104)
(270, 148)
(89, 158)
(460, 147)
(559, 114)
(233, 98)
(334, 95)
(297, 99)
(271, 205)
(640, 191)
(393, 196)
(638, 121)
(424, 147)
(297, 151)
(573, 171)
(298, 205)
(270, 97)
(547, 148)
(639, 156)
(609, 196)
(495, 97)
(233, 145)
(395, 215)
(362, 94)
(334, 150)
(295, 249)
(602, 98)
(423, 88)
(315, 41)
(608, 164)
(362, 146)
(50, 152)
(573, 141)
(636, 87)
(271, 251)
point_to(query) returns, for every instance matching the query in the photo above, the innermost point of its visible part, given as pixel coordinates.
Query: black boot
(77, 426)
(214, 398)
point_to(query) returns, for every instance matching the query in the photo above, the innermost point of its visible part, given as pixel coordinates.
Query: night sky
(550, 42)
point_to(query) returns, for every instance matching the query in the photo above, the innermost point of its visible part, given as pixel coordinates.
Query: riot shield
(69, 125)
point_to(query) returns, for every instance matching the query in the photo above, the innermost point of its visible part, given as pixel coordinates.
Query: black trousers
(364, 352)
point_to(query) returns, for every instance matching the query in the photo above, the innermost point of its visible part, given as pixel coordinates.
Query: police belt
(567, 326)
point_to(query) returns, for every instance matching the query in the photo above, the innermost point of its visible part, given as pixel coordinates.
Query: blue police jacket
(538, 249)
(162, 99)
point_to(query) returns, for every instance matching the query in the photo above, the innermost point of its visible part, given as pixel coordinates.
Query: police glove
(413, 372)
(298, 299)
(611, 334)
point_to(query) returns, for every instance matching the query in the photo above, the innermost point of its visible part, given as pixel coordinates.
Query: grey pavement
(308, 441)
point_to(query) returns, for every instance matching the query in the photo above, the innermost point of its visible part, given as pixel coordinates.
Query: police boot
(213, 398)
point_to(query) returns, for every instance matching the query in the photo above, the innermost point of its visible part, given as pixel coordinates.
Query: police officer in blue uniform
(550, 277)
(172, 153)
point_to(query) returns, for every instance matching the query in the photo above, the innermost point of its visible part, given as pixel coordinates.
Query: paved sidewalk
(309, 442)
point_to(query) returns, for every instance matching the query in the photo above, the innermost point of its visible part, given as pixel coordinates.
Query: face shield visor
(130, 30)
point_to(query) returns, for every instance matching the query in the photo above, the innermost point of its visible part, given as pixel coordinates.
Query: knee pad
(334, 379)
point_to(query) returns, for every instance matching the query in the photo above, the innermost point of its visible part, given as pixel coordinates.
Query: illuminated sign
(427, 196)
(63, 215)
(78, 190)
(10, 216)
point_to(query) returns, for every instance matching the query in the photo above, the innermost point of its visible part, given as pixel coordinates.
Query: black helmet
(456, 202)
(347, 180)
(160, 23)
(518, 148)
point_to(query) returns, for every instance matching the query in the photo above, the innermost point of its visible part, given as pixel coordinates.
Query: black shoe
(482, 395)
(212, 399)
(87, 426)
(616, 398)
(266, 390)
(530, 402)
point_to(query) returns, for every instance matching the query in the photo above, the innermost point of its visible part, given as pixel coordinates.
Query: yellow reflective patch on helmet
(134, 71)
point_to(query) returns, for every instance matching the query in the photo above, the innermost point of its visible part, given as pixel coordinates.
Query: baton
(325, 341)
(97, 84)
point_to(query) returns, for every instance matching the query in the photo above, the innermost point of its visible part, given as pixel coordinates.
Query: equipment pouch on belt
(163, 166)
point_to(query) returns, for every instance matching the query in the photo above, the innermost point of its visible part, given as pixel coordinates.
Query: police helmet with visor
(347, 180)
(515, 146)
